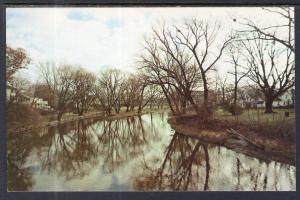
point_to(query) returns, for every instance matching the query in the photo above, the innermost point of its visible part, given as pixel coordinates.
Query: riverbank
(70, 118)
(239, 137)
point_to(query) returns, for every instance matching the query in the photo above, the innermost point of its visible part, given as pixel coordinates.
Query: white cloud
(100, 37)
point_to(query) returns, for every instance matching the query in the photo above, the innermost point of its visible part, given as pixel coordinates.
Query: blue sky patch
(79, 16)
(114, 23)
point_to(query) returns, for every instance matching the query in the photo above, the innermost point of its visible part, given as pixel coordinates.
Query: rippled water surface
(135, 153)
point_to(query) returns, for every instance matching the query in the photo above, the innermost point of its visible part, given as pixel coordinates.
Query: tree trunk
(223, 96)
(177, 110)
(235, 99)
(235, 88)
(269, 105)
(108, 111)
(191, 100)
(207, 167)
(168, 99)
(79, 110)
(59, 116)
(184, 106)
(132, 107)
(205, 93)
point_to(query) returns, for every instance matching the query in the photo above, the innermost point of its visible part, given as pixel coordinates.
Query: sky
(101, 37)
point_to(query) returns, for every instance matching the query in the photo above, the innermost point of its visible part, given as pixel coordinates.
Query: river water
(134, 154)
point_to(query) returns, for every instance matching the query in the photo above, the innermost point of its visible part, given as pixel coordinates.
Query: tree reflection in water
(180, 169)
(190, 164)
(138, 152)
(72, 151)
(122, 140)
(19, 177)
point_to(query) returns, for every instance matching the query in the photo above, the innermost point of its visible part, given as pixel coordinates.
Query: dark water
(135, 153)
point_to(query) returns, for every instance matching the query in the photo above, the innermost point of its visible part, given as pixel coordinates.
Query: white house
(35, 102)
(284, 100)
(39, 103)
(10, 92)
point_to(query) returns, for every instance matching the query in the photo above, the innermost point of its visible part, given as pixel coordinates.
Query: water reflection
(180, 168)
(135, 153)
(180, 158)
(71, 152)
(18, 177)
(121, 140)
(189, 164)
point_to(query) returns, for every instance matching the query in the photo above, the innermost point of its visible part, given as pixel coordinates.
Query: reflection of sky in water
(224, 172)
(113, 156)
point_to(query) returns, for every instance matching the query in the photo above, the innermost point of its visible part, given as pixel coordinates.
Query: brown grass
(277, 139)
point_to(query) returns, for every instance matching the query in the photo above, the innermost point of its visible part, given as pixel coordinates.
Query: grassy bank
(269, 138)
(274, 125)
(257, 116)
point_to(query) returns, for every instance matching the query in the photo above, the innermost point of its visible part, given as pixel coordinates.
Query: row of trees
(74, 88)
(177, 61)
(181, 58)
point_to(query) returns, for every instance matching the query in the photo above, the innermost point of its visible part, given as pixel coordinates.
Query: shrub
(234, 110)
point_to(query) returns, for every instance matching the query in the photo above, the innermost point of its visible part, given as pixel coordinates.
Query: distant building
(198, 96)
(35, 102)
(10, 92)
(284, 100)
(39, 103)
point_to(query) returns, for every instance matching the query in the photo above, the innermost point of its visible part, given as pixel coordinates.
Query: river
(140, 153)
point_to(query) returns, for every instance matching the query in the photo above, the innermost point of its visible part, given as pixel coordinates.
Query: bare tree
(151, 68)
(109, 93)
(59, 80)
(83, 86)
(271, 67)
(200, 37)
(137, 91)
(222, 85)
(146, 95)
(238, 72)
(21, 88)
(131, 89)
(272, 32)
(167, 64)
